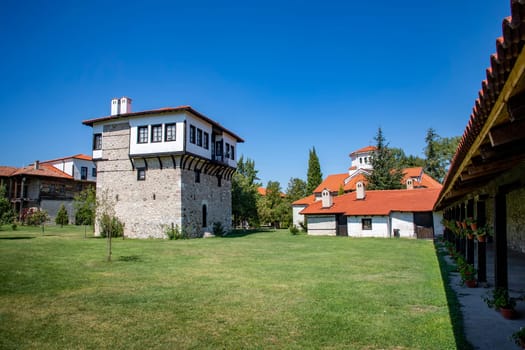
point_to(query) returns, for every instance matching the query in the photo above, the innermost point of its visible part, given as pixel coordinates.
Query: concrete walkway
(485, 328)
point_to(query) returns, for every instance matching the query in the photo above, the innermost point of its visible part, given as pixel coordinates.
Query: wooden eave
(496, 144)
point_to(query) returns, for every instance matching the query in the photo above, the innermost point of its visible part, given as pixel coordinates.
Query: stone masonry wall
(207, 192)
(516, 220)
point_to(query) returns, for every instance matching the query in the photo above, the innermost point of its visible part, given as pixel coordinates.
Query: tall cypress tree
(432, 162)
(387, 174)
(314, 176)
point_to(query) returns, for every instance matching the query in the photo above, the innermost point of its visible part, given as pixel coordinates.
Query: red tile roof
(188, 109)
(422, 179)
(508, 48)
(332, 182)
(262, 192)
(350, 185)
(305, 201)
(76, 156)
(7, 171)
(364, 149)
(378, 203)
(43, 170)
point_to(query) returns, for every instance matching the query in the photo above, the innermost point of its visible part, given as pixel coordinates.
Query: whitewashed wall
(321, 225)
(296, 217)
(404, 222)
(192, 147)
(438, 226)
(157, 147)
(380, 226)
(97, 129)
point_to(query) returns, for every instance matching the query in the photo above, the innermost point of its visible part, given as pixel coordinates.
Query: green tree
(7, 215)
(387, 174)
(404, 161)
(85, 207)
(314, 176)
(62, 217)
(272, 207)
(296, 190)
(244, 193)
(109, 225)
(439, 152)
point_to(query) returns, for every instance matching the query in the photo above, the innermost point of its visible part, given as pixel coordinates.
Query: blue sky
(284, 75)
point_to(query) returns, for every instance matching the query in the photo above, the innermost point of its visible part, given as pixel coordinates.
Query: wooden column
(481, 218)
(470, 242)
(463, 241)
(500, 240)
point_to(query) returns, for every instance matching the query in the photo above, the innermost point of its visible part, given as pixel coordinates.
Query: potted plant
(468, 275)
(483, 231)
(472, 223)
(519, 337)
(502, 302)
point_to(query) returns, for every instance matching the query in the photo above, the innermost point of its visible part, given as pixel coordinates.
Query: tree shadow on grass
(16, 238)
(454, 307)
(243, 233)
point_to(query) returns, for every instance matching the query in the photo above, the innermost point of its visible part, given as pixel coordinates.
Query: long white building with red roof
(405, 213)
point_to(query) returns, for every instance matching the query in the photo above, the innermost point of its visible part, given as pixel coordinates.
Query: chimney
(326, 197)
(120, 105)
(360, 191)
(36, 165)
(115, 106)
(125, 105)
(410, 184)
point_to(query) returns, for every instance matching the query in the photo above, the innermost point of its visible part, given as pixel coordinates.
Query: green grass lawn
(262, 290)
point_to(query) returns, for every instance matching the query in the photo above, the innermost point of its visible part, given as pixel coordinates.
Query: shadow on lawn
(452, 300)
(243, 233)
(16, 237)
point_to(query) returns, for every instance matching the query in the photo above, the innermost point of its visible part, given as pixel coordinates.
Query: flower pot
(464, 224)
(474, 226)
(482, 238)
(509, 314)
(522, 343)
(470, 236)
(471, 283)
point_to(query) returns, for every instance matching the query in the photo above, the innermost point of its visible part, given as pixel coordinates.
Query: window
(219, 181)
(170, 132)
(204, 215)
(141, 174)
(83, 173)
(227, 153)
(232, 152)
(192, 134)
(206, 141)
(197, 176)
(156, 133)
(366, 224)
(142, 134)
(94, 172)
(199, 137)
(97, 141)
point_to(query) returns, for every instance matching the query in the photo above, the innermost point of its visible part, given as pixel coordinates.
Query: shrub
(173, 232)
(218, 229)
(111, 226)
(34, 216)
(294, 230)
(304, 226)
(62, 217)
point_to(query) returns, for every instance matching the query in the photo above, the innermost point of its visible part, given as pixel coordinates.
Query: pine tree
(314, 176)
(387, 175)
(432, 162)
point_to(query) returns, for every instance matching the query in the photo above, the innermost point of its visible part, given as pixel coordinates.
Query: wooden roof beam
(506, 133)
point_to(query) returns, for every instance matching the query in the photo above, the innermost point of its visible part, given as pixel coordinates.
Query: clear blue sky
(284, 75)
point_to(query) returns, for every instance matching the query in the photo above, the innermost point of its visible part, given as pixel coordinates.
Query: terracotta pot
(473, 226)
(509, 314)
(471, 283)
(469, 236)
(464, 224)
(482, 238)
